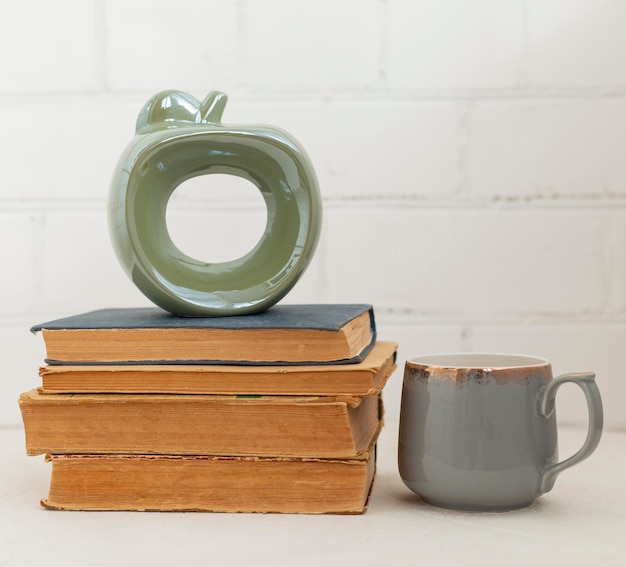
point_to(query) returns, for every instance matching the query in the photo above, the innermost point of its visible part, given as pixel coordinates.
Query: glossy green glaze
(179, 138)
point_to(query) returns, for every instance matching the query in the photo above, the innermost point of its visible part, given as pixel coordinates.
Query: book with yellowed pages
(284, 334)
(359, 379)
(138, 409)
(211, 483)
(277, 426)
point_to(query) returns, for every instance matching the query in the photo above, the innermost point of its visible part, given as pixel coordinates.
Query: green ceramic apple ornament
(177, 138)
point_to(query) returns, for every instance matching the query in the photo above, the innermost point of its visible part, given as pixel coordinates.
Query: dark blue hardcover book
(284, 334)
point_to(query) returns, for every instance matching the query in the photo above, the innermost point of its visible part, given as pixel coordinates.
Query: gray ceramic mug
(478, 431)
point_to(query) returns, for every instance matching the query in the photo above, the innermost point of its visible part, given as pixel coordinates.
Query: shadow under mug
(478, 431)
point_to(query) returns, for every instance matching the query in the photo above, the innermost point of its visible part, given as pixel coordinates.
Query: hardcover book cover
(284, 334)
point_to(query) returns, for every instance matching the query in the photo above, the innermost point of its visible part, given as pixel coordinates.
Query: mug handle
(586, 381)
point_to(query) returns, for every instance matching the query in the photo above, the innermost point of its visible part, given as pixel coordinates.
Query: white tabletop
(581, 522)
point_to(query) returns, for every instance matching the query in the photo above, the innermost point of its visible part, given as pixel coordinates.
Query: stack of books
(277, 412)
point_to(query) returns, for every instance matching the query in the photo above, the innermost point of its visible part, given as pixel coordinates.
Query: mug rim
(477, 360)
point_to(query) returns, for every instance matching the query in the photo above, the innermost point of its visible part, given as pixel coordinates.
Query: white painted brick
(370, 148)
(153, 45)
(577, 43)
(207, 230)
(23, 354)
(570, 348)
(216, 191)
(48, 46)
(216, 236)
(64, 149)
(18, 279)
(312, 46)
(453, 44)
(473, 264)
(80, 271)
(548, 148)
(617, 263)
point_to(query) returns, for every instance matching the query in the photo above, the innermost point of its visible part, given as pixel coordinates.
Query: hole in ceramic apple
(216, 218)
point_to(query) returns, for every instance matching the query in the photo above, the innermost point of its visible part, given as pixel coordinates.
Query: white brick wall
(576, 43)
(512, 148)
(49, 47)
(417, 141)
(152, 45)
(311, 47)
(453, 44)
(470, 155)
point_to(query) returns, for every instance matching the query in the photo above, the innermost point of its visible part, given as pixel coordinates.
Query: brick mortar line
(375, 94)
(401, 203)
(566, 320)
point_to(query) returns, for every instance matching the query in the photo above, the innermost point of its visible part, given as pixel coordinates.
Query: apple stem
(213, 106)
